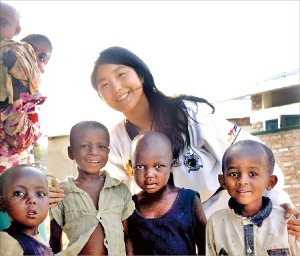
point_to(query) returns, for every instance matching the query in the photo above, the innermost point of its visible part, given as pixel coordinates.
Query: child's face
(152, 165)
(89, 149)
(247, 176)
(9, 23)
(27, 200)
(43, 53)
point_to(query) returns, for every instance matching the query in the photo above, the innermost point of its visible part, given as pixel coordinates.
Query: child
(253, 226)
(168, 220)
(19, 84)
(24, 196)
(42, 47)
(96, 206)
(24, 70)
(19, 124)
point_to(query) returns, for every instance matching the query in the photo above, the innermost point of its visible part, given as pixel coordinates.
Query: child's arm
(200, 226)
(293, 223)
(128, 243)
(55, 236)
(56, 194)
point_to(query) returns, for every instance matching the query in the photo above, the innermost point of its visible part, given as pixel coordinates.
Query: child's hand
(293, 224)
(56, 194)
(9, 59)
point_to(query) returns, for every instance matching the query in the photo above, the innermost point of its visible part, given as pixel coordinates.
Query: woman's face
(119, 86)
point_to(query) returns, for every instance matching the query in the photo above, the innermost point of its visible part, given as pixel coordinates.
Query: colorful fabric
(266, 233)
(78, 216)
(25, 69)
(19, 130)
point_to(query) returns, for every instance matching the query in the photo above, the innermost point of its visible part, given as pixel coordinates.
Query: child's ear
(173, 162)
(221, 181)
(18, 30)
(70, 153)
(2, 205)
(272, 182)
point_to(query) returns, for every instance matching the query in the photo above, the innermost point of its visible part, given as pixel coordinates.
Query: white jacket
(225, 232)
(210, 136)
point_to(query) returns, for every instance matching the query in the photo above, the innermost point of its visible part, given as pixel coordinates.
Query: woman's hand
(56, 194)
(293, 224)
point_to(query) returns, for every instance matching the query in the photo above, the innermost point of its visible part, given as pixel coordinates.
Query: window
(289, 120)
(272, 125)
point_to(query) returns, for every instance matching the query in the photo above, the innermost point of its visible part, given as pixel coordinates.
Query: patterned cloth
(25, 69)
(19, 130)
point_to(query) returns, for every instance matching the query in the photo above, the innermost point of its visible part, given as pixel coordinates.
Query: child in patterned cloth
(21, 65)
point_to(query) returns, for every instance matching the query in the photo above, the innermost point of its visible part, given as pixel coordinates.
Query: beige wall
(59, 164)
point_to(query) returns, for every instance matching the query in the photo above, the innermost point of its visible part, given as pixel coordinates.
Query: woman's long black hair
(170, 114)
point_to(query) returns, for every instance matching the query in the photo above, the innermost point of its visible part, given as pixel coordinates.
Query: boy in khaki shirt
(94, 211)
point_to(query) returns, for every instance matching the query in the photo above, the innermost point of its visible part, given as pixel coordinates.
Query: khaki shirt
(78, 217)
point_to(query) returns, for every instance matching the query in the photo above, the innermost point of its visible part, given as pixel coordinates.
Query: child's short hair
(269, 156)
(88, 124)
(5, 176)
(37, 38)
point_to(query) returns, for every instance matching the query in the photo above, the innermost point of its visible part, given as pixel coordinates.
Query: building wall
(59, 164)
(285, 144)
(256, 104)
(286, 149)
